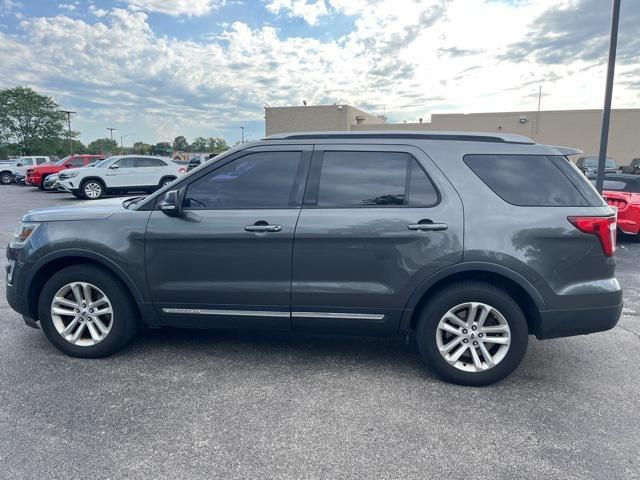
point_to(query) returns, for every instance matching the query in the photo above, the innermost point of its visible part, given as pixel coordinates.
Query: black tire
(89, 182)
(124, 323)
(457, 294)
(5, 178)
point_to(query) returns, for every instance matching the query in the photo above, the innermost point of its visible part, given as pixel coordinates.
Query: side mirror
(19, 164)
(114, 166)
(172, 204)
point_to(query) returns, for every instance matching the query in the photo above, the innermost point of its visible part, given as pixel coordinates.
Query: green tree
(58, 147)
(180, 144)
(162, 148)
(104, 146)
(200, 144)
(28, 118)
(217, 145)
(142, 148)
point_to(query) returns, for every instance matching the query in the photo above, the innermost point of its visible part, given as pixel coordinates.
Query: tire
(41, 186)
(5, 178)
(122, 324)
(458, 300)
(92, 189)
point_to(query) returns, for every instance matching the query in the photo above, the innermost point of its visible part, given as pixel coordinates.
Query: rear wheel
(85, 312)
(5, 178)
(92, 189)
(472, 333)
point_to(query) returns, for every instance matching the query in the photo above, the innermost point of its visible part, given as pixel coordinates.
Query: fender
(417, 295)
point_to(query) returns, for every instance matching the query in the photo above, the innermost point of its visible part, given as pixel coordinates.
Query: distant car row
(93, 176)
(589, 166)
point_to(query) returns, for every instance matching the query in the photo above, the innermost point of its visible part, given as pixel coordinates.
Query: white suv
(19, 167)
(119, 175)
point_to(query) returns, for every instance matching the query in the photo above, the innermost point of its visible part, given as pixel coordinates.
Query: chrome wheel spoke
(488, 359)
(448, 328)
(101, 326)
(476, 359)
(498, 340)
(63, 311)
(495, 329)
(95, 335)
(458, 353)
(78, 333)
(449, 346)
(69, 328)
(455, 320)
(104, 311)
(65, 302)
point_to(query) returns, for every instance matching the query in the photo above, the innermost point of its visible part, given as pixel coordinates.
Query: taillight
(603, 227)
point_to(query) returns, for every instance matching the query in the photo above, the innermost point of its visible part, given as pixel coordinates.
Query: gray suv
(471, 242)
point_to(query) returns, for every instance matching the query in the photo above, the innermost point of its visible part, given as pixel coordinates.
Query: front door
(377, 221)
(227, 260)
(123, 173)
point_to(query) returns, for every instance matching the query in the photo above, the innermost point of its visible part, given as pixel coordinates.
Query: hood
(70, 170)
(85, 210)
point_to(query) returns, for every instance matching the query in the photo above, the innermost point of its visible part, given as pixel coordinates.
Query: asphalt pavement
(181, 404)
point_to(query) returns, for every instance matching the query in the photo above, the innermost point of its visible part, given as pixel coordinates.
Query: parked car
(622, 191)
(472, 241)
(119, 174)
(589, 165)
(50, 182)
(19, 167)
(632, 168)
(37, 174)
(193, 163)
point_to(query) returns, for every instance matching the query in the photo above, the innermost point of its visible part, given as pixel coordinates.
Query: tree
(180, 144)
(142, 148)
(27, 118)
(104, 146)
(200, 144)
(162, 148)
(217, 145)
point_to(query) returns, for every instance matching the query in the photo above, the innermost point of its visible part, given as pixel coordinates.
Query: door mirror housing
(19, 164)
(115, 166)
(172, 203)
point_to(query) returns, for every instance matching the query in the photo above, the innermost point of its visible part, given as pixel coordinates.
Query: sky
(155, 69)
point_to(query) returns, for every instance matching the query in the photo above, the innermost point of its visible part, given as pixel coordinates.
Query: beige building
(571, 128)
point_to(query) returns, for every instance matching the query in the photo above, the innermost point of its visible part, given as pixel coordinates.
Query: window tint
(149, 162)
(126, 162)
(373, 179)
(40, 160)
(257, 180)
(27, 161)
(76, 162)
(526, 180)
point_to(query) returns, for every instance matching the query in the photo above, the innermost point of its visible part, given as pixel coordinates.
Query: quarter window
(256, 180)
(373, 179)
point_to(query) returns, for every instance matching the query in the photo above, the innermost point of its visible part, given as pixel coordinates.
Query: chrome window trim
(230, 313)
(349, 316)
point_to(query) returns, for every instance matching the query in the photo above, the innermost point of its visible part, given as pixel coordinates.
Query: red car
(37, 175)
(623, 192)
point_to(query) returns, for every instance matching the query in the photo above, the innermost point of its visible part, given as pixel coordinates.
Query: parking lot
(207, 404)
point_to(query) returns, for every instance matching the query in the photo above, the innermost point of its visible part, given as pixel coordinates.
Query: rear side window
(76, 162)
(373, 179)
(532, 180)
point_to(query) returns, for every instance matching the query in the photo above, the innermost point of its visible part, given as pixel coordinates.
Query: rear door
(376, 222)
(150, 171)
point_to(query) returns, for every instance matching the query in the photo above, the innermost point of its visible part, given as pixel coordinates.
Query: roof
(413, 135)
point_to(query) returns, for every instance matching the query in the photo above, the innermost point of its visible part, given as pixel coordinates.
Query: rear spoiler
(568, 151)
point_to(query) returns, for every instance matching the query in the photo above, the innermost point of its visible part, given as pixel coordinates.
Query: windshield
(593, 162)
(61, 162)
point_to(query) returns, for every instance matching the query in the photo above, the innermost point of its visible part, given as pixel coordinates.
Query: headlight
(23, 233)
(69, 174)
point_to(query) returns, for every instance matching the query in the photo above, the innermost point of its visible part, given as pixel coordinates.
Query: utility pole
(242, 138)
(69, 113)
(111, 130)
(606, 114)
(538, 114)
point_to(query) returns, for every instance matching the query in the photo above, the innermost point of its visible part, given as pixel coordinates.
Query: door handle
(262, 228)
(427, 226)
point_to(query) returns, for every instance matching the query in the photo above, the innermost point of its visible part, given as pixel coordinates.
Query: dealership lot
(194, 404)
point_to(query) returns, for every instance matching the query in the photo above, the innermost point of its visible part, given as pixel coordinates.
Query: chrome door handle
(427, 227)
(262, 228)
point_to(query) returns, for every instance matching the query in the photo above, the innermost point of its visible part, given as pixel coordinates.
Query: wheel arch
(522, 291)
(52, 263)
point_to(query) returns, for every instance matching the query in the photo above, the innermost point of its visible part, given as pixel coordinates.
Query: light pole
(242, 138)
(121, 137)
(69, 113)
(111, 131)
(606, 114)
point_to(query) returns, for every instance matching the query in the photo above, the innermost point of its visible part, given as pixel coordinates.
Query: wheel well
(95, 179)
(41, 277)
(519, 294)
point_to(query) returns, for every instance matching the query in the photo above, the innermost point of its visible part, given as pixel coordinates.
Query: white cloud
(192, 8)
(310, 10)
(67, 6)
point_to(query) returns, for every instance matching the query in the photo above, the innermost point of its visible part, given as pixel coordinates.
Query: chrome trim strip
(228, 313)
(348, 316)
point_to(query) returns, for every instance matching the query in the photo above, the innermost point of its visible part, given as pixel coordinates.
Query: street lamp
(111, 131)
(69, 113)
(122, 137)
(606, 114)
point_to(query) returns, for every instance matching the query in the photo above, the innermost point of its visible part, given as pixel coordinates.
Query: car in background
(589, 165)
(18, 168)
(623, 192)
(120, 174)
(51, 182)
(37, 174)
(193, 163)
(633, 168)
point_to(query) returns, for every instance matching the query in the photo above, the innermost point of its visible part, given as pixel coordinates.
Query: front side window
(373, 179)
(256, 180)
(76, 162)
(126, 163)
(27, 162)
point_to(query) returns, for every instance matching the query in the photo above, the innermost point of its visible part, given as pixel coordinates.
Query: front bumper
(567, 323)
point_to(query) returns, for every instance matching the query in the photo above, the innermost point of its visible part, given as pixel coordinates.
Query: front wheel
(92, 189)
(85, 312)
(5, 178)
(473, 334)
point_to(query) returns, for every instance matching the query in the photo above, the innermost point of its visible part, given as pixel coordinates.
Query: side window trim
(315, 171)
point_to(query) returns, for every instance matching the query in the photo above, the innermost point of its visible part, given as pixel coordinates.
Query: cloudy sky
(159, 68)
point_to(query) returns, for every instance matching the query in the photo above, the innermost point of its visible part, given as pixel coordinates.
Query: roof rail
(413, 135)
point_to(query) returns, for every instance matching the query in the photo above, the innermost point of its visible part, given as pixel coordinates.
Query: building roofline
(534, 112)
(417, 135)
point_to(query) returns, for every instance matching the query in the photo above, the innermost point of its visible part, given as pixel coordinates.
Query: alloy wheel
(5, 178)
(82, 314)
(473, 337)
(92, 190)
